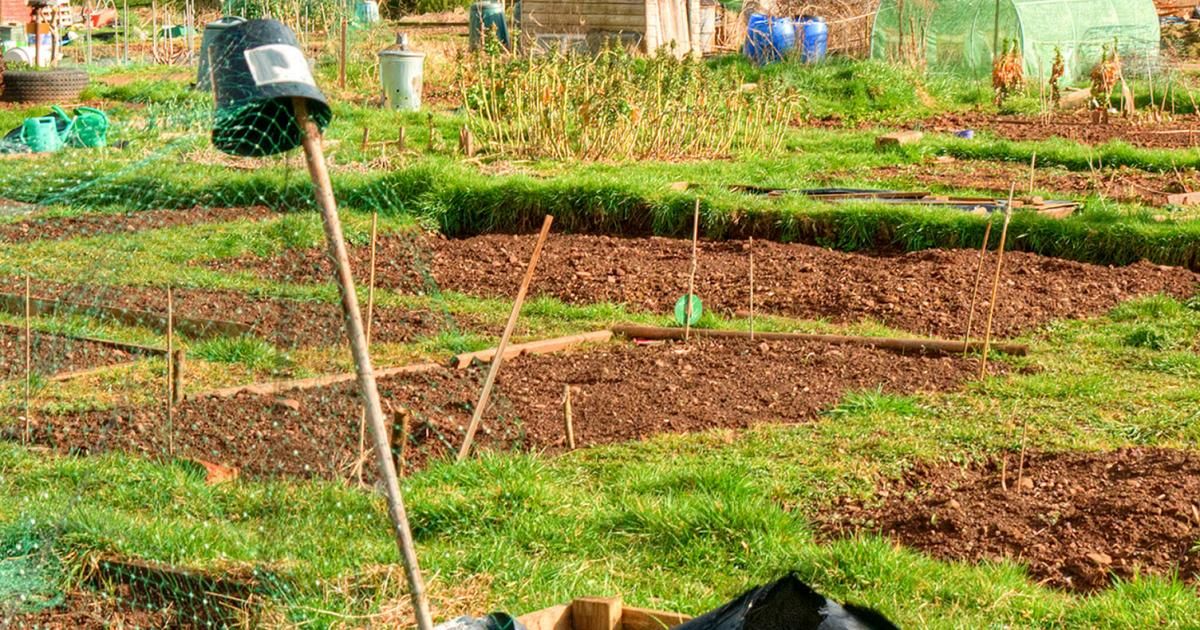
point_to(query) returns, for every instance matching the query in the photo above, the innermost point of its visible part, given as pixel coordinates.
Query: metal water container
(211, 30)
(401, 71)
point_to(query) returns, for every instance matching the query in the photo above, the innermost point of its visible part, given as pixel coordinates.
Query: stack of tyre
(57, 85)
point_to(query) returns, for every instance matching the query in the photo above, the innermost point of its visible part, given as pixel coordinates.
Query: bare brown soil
(926, 292)
(1121, 184)
(51, 354)
(285, 322)
(620, 393)
(1182, 132)
(58, 228)
(1076, 521)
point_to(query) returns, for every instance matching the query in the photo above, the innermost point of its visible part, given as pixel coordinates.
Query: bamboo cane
(987, 233)
(751, 288)
(567, 420)
(315, 158)
(28, 360)
(170, 372)
(987, 334)
(494, 370)
(362, 418)
(687, 312)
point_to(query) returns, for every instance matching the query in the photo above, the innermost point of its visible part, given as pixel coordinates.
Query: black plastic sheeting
(788, 604)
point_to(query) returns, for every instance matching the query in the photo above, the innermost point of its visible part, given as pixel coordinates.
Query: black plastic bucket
(258, 68)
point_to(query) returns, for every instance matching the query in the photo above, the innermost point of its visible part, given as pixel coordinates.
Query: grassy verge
(681, 522)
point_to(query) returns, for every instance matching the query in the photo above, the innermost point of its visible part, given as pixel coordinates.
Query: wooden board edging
(544, 346)
(276, 387)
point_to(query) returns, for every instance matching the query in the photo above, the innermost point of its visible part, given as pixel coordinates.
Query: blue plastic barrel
(769, 38)
(814, 38)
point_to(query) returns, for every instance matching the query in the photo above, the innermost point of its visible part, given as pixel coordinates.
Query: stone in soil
(1076, 520)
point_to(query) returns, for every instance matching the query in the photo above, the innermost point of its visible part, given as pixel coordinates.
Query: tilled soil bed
(285, 322)
(83, 225)
(620, 392)
(1122, 184)
(926, 292)
(85, 610)
(1076, 520)
(52, 354)
(1078, 126)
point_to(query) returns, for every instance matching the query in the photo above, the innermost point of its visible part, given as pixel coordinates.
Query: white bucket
(28, 56)
(402, 74)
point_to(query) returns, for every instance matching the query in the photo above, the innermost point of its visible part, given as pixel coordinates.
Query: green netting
(959, 36)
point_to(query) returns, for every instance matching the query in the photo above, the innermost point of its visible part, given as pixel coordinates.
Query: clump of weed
(1150, 337)
(253, 353)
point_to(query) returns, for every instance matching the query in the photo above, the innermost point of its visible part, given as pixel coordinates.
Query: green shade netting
(958, 35)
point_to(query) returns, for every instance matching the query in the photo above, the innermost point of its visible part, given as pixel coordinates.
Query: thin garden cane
(987, 233)
(362, 418)
(170, 369)
(315, 158)
(751, 288)
(987, 333)
(494, 370)
(687, 312)
(28, 359)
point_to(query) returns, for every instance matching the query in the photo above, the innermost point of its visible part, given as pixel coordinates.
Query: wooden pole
(178, 357)
(569, 425)
(28, 360)
(508, 330)
(402, 138)
(125, 31)
(342, 57)
(987, 233)
(687, 309)
(987, 333)
(915, 346)
(1032, 167)
(170, 371)
(362, 418)
(315, 158)
(751, 288)
(366, 137)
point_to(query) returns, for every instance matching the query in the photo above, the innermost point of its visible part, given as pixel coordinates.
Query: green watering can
(41, 134)
(88, 129)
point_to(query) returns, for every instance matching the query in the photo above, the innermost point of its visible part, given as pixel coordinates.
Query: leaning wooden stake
(1021, 461)
(569, 424)
(315, 158)
(987, 233)
(362, 418)
(28, 360)
(508, 330)
(1032, 167)
(987, 333)
(751, 288)
(170, 372)
(342, 57)
(687, 300)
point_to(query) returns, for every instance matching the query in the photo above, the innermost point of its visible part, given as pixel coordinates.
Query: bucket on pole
(211, 30)
(258, 68)
(401, 71)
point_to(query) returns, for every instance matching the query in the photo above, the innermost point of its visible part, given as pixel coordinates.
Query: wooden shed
(647, 25)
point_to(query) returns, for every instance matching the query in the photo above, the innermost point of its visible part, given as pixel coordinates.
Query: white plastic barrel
(402, 74)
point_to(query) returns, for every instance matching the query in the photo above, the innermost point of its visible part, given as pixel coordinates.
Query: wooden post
(1032, 166)
(154, 31)
(342, 57)
(125, 30)
(28, 360)
(508, 330)
(466, 142)
(402, 138)
(178, 357)
(987, 233)
(751, 288)
(987, 334)
(170, 372)
(569, 425)
(687, 312)
(400, 440)
(315, 158)
(366, 137)
(362, 418)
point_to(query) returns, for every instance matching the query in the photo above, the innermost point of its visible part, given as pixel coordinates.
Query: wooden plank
(545, 346)
(1184, 199)
(553, 618)
(194, 328)
(546, 21)
(595, 8)
(646, 619)
(915, 345)
(275, 387)
(897, 138)
(133, 348)
(590, 13)
(595, 613)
